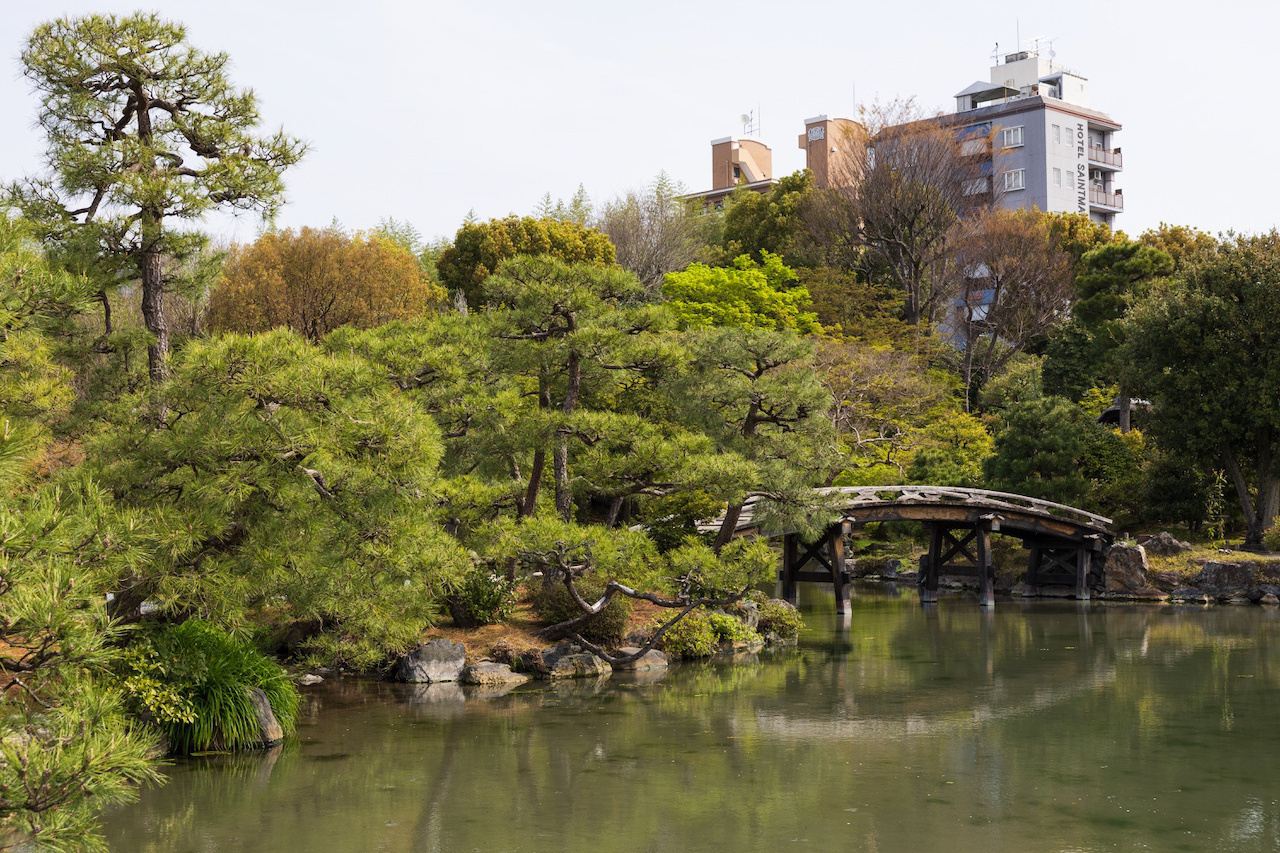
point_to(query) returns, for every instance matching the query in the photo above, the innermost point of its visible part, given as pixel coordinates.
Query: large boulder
(652, 659)
(490, 673)
(270, 731)
(438, 660)
(1225, 579)
(568, 660)
(1165, 544)
(1125, 568)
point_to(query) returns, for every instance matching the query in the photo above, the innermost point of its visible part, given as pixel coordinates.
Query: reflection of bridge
(1062, 539)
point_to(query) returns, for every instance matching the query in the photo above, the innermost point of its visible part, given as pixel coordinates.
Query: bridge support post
(927, 580)
(986, 580)
(1084, 562)
(839, 575)
(790, 546)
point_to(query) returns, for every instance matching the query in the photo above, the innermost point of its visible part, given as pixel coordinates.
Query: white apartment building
(1049, 150)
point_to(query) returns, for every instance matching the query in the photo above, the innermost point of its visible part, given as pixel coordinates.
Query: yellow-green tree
(480, 247)
(318, 279)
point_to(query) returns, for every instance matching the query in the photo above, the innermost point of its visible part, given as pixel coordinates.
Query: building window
(1013, 137)
(975, 186)
(1015, 179)
(1057, 134)
(973, 146)
(1057, 177)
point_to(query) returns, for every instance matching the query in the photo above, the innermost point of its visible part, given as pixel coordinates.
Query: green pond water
(1039, 726)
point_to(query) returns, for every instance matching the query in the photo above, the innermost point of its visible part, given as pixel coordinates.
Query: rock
(1226, 578)
(740, 647)
(773, 638)
(747, 613)
(1239, 599)
(438, 660)
(269, 729)
(652, 659)
(1270, 600)
(489, 672)
(1125, 567)
(891, 568)
(309, 679)
(1165, 544)
(1258, 592)
(1146, 593)
(568, 660)
(1188, 596)
(636, 639)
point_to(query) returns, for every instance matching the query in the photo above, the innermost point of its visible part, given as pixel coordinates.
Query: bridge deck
(1014, 514)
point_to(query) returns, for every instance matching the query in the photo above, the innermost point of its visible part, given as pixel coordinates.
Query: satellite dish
(1052, 53)
(746, 118)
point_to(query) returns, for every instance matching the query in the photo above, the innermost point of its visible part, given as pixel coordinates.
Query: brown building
(737, 162)
(832, 150)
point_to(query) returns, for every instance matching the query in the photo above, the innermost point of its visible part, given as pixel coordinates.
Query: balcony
(1106, 157)
(1102, 198)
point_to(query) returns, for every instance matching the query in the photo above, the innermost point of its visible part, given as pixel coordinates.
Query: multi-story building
(1038, 142)
(1050, 150)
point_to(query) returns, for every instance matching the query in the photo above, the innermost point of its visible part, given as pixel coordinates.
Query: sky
(427, 112)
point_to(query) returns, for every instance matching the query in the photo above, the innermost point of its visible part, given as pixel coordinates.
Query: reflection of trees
(1054, 726)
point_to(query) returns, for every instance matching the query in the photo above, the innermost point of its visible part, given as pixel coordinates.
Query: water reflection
(1030, 726)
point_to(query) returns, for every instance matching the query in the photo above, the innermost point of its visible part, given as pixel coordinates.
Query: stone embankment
(443, 661)
(1243, 581)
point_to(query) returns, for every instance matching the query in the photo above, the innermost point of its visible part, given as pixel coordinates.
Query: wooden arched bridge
(1063, 540)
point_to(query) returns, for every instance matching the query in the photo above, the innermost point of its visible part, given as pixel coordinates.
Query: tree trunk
(1126, 409)
(615, 511)
(1252, 518)
(573, 388)
(560, 467)
(106, 312)
(535, 481)
(153, 313)
(730, 523)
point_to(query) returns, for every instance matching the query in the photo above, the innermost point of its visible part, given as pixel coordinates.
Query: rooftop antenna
(995, 54)
(750, 124)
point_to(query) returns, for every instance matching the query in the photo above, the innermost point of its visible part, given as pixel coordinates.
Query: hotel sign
(1082, 170)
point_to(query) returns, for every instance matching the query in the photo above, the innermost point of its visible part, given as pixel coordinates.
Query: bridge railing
(865, 495)
(851, 497)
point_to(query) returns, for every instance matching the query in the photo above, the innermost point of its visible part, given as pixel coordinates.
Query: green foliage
(1020, 382)
(141, 127)
(780, 618)
(1175, 492)
(483, 598)
(288, 481)
(1206, 352)
(952, 450)
(748, 295)
(757, 224)
(192, 681)
(480, 248)
(731, 629)
(691, 637)
(1271, 537)
(1114, 462)
(1039, 445)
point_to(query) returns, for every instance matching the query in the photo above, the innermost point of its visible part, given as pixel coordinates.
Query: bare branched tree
(655, 231)
(1015, 284)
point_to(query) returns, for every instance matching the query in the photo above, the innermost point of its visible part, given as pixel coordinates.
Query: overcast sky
(424, 111)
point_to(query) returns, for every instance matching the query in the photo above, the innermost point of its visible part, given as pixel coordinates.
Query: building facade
(1049, 149)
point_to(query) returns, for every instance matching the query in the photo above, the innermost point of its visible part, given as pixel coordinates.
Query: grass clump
(193, 682)
(781, 618)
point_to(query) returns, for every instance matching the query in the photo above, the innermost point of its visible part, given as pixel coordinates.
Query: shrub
(192, 681)
(483, 598)
(1271, 538)
(691, 637)
(553, 604)
(730, 629)
(781, 618)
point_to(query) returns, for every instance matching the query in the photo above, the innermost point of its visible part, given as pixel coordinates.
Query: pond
(1045, 726)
